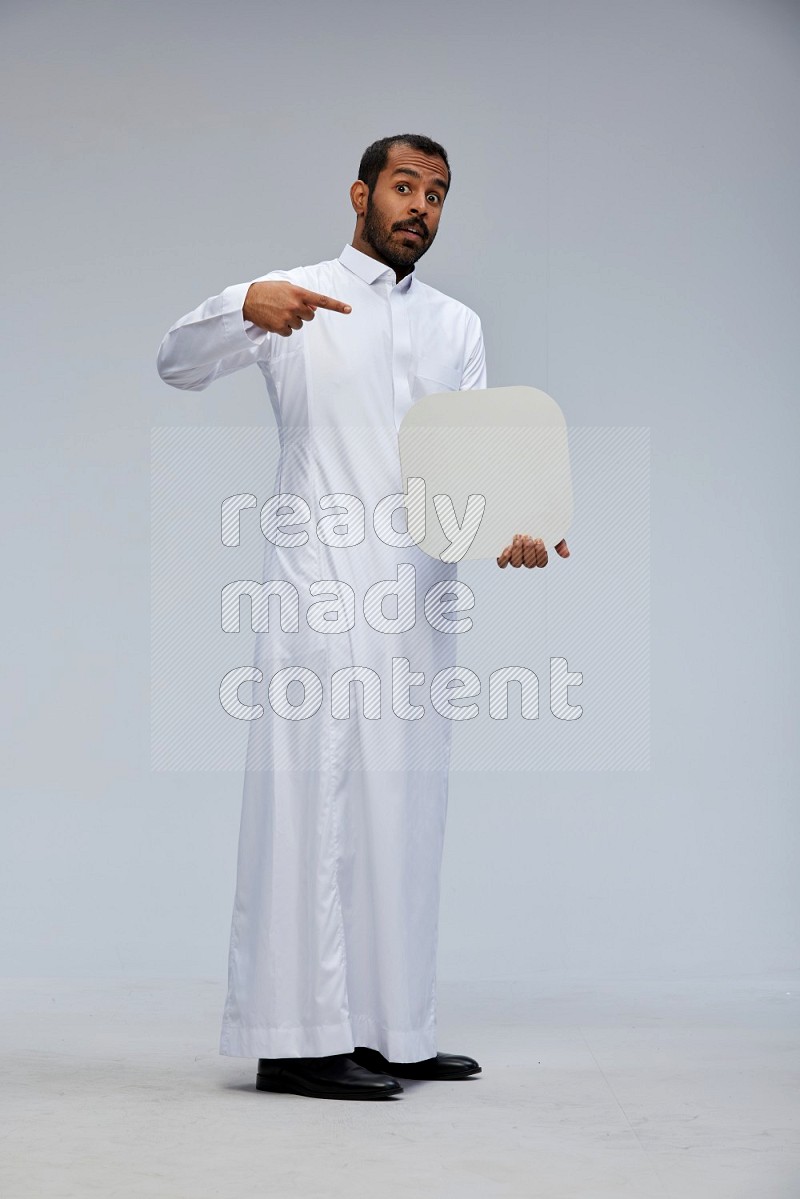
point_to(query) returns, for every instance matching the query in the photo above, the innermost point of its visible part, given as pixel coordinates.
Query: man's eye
(402, 185)
(433, 196)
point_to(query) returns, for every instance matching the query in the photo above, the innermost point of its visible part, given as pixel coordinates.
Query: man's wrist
(245, 308)
(237, 323)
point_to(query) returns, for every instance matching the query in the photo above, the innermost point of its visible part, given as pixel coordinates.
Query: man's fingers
(317, 301)
(534, 552)
(529, 551)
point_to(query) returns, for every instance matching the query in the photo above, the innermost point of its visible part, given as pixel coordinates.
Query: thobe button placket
(401, 353)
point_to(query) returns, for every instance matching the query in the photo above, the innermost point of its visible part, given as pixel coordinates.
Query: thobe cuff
(237, 329)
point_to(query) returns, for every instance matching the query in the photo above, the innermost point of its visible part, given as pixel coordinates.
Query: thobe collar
(369, 269)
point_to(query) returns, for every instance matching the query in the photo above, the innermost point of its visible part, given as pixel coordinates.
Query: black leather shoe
(333, 1077)
(444, 1065)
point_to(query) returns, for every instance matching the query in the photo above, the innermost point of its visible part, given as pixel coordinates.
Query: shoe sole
(440, 1077)
(276, 1084)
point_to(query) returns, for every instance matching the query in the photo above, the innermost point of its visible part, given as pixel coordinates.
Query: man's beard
(394, 252)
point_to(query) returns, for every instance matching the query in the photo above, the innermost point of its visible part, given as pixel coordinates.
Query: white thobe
(335, 920)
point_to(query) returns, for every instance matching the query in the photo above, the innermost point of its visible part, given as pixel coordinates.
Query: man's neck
(365, 248)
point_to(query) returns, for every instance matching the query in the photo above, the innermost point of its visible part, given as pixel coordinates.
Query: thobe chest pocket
(433, 371)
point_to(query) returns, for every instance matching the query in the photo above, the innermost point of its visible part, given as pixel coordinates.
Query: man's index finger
(327, 302)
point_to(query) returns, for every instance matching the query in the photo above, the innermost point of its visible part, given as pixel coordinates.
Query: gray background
(624, 219)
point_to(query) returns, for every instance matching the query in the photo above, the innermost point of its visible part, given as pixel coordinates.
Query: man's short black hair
(375, 157)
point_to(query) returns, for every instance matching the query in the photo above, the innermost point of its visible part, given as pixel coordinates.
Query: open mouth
(410, 232)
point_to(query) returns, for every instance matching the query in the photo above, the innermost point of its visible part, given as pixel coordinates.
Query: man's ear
(358, 196)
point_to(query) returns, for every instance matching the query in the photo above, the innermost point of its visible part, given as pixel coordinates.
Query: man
(334, 930)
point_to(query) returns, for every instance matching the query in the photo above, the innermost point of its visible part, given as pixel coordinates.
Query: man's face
(403, 209)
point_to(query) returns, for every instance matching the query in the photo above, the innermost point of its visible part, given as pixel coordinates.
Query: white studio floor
(687, 1088)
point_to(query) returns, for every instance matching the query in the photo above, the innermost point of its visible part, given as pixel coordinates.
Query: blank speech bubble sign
(495, 462)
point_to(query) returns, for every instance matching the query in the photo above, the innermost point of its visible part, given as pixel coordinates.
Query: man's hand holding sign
(529, 551)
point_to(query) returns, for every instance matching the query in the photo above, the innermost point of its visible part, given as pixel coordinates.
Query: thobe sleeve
(474, 375)
(213, 339)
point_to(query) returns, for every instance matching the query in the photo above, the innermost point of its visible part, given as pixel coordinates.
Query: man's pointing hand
(279, 306)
